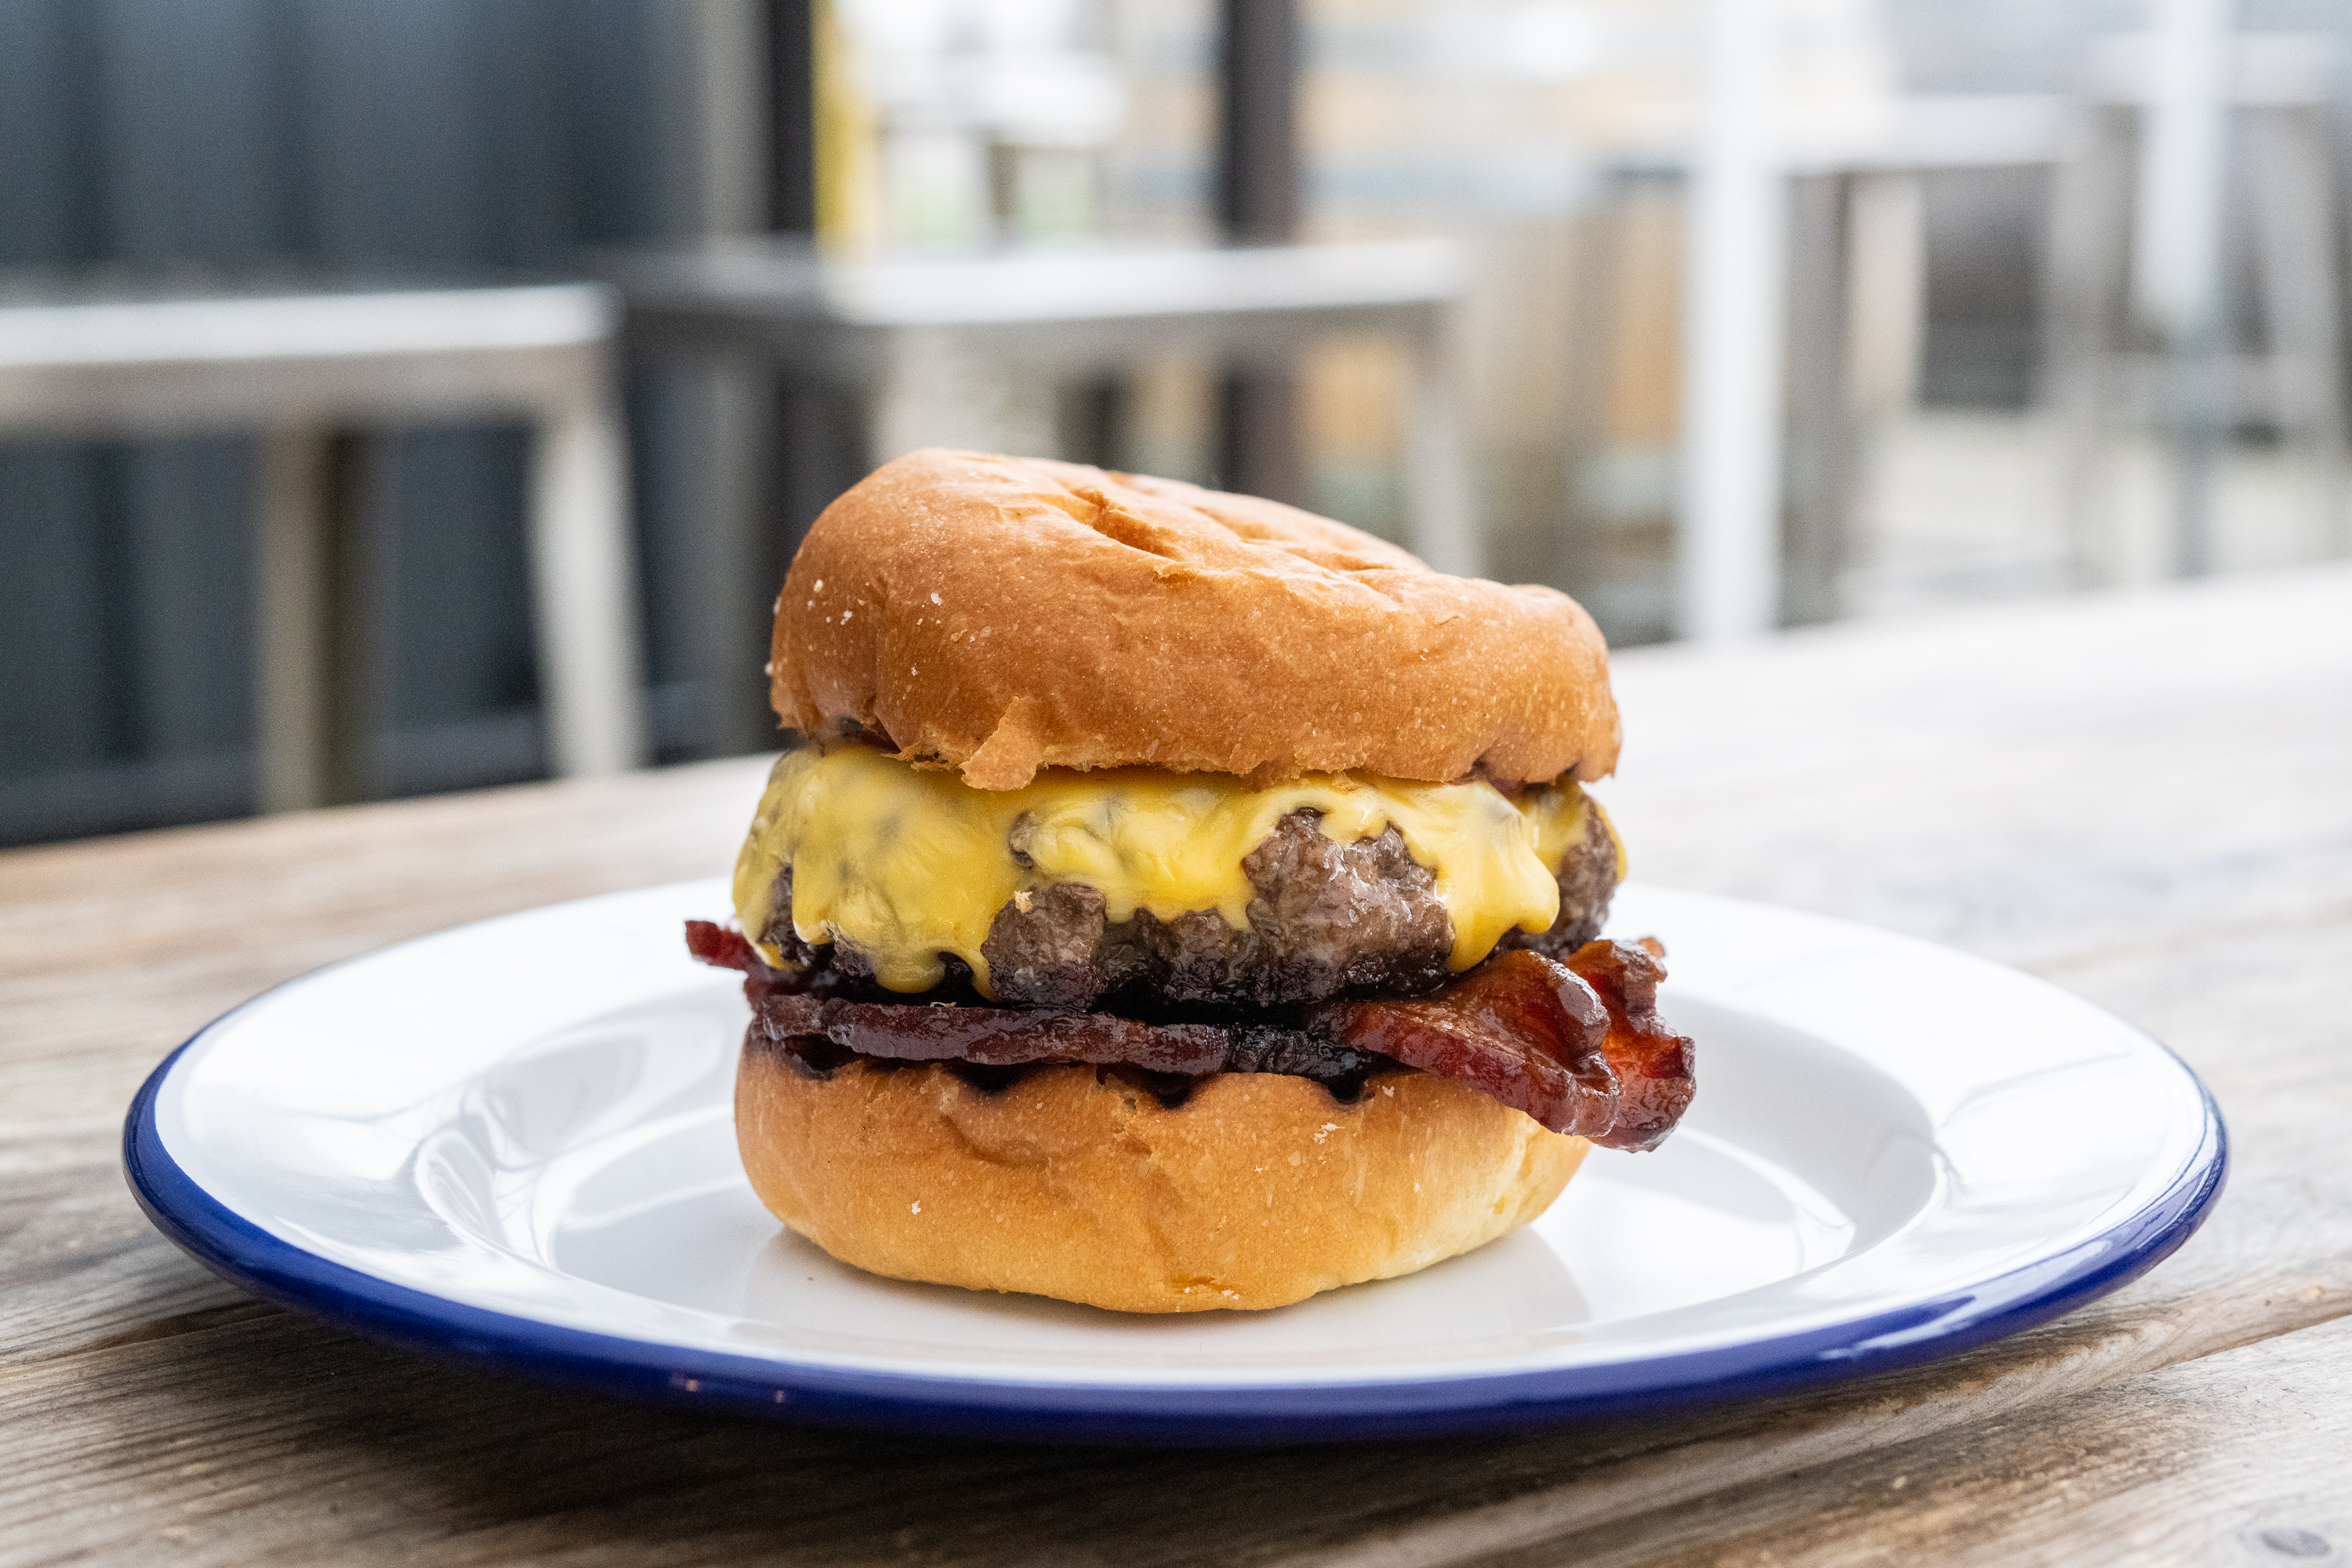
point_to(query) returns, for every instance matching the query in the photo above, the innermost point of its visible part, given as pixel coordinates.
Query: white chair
(2106, 373)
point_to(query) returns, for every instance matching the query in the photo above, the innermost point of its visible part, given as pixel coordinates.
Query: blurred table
(1852, 255)
(305, 367)
(1907, 134)
(2141, 797)
(897, 329)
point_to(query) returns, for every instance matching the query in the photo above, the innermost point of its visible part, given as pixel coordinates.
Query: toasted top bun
(1001, 614)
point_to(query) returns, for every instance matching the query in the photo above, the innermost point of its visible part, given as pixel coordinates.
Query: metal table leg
(584, 587)
(311, 633)
(1819, 466)
(1437, 478)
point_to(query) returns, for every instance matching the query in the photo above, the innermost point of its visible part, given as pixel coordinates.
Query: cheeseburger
(1172, 900)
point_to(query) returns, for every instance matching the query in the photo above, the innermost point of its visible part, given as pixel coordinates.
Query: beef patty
(1326, 920)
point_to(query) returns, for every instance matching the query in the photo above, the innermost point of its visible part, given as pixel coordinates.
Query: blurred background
(406, 398)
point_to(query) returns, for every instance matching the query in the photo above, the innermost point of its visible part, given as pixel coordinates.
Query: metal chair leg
(2083, 277)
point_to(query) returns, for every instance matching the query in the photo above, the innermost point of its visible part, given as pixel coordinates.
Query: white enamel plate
(512, 1142)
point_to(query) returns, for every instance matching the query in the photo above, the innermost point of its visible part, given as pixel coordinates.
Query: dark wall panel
(460, 589)
(192, 151)
(179, 138)
(49, 70)
(62, 623)
(187, 619)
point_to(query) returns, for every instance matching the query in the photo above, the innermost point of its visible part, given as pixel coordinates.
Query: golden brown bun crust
(1002, 615)
(1258, 1191)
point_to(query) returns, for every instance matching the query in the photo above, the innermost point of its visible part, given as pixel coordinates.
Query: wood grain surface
(2146, 798)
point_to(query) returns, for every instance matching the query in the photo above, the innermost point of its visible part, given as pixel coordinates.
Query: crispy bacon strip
(995, 1036)
(1652, 1062)
(1520, 1028)
(720, 948)
(1580, 1047)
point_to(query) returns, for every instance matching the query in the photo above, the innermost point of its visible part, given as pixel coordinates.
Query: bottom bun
(1258, 1190)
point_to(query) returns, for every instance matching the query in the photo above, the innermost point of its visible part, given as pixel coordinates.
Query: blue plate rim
(940, 1405)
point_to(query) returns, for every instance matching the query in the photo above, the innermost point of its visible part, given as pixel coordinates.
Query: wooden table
(2146, 798)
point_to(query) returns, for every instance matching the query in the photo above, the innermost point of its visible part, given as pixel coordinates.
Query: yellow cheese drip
(907, 863)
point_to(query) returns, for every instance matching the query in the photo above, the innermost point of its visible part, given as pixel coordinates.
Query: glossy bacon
(1580, 1047)
(1652, 1062)
(720, 948)
(995, 1036)
(723, 948)
(1520, 1028)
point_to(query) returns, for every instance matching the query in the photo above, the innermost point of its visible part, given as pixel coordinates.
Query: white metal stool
(305, 369)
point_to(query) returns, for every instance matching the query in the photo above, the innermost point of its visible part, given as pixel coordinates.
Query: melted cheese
(907, 865)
